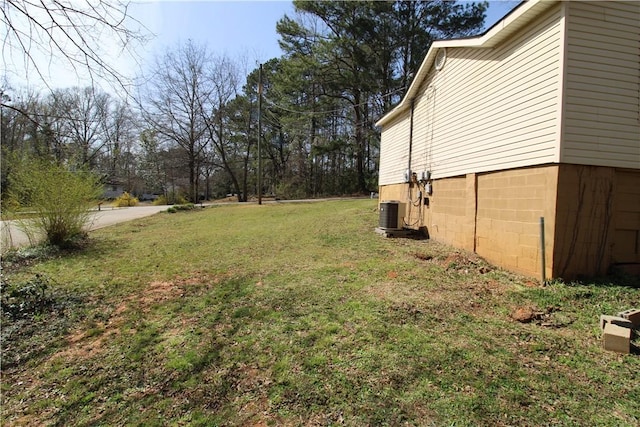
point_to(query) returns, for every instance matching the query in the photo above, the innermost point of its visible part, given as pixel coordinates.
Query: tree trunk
(360, 143)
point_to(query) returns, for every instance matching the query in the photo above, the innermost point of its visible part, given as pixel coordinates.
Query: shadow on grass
(35, 336)
(21, 258)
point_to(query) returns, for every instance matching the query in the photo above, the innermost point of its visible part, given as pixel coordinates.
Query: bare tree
(72, 31)
(193, 100)
(152, 163)
(120, 130)
(84, 113)
(19, 135)
(224, 80)
(117, 156)
(172, 105)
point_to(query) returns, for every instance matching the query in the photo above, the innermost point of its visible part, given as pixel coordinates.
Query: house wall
(111, 191)
(487, 109)
(602, 87)
(495, 214)
(598, 220)
(510, 205)
(544, 125)
(445, 216)
(423, 128)
(626, 217)
(394, 152)
(591, 217)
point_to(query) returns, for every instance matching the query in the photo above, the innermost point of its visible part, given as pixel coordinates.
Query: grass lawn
(299, 314)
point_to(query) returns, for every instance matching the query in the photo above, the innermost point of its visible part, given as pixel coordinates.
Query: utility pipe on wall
(410, 140)
(408, 171)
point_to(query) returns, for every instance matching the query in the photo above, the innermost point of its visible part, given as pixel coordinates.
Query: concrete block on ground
(616, 320)
(616, 338)
(633, 315)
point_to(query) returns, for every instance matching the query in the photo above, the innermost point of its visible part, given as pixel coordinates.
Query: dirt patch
(476, 295)
(157, 292)
(423, 257)
(256, 413)
(88, 343)
(457, 261)
(550, 317)
(525, 315)
(466, 263)
(252, 378)
(82, 346)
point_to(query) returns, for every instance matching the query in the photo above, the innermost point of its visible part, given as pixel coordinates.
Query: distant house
(538, 117)
(112, 190)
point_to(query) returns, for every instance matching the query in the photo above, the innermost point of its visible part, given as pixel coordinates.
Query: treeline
(193, 127)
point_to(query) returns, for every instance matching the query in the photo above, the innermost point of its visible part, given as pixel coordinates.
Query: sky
(236, 28)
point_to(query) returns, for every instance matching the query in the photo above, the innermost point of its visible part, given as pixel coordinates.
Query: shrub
(59, 197)
(185, 207)
(24, 300)
(161, 200)
(182, 207)
(170, 199)
(125, 200)
(290, 189)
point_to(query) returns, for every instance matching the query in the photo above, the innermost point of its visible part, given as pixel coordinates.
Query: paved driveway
(12, 236)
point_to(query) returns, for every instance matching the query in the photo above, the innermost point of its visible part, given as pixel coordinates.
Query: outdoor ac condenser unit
(391, 215)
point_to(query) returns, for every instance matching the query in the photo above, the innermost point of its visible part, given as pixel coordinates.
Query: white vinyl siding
(422, 131)
(602, 89)
(394, 152)
(498, 108)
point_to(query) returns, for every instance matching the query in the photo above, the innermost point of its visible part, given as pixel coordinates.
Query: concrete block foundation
(591, 217)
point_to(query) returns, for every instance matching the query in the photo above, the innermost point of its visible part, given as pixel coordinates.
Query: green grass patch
(300, 314)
